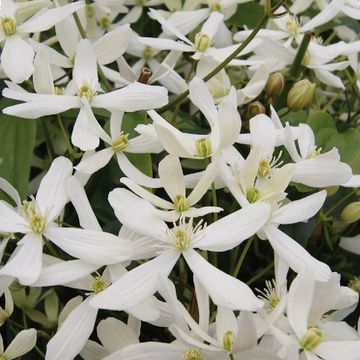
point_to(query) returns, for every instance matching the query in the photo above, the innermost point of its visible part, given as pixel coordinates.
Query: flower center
(87, 91)
(228, 340)
(121, 142)
(33, 216)
(264, 167)
(314, 153)
(193, 354)
(293, 27)
(104, 22)
(182, 239)
(203, 147)
(312, 338)
(253, 195)
(98, 285)
(59, 90)
(181, 203)
(269, 295)
(8, 24)
(3, 357)
(202, 42)
(215, 6)
(148, 53)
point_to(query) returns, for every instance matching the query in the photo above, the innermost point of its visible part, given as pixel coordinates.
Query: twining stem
(267, 15)
(299, 57)
(260, 274)
(70, 149)
(242, 256)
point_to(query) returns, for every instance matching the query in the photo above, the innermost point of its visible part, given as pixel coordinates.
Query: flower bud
(351, 212)
(144, 75)
(300, 95)
(255, 108)
(275, 84)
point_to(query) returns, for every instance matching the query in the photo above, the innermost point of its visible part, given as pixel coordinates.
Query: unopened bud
(300, 95)
(351, 213)
(275, 84)
(255, 108)
(144, 75)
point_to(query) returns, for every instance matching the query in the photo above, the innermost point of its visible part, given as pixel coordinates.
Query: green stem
(231, 356)
(260, 274)
(242, 256)
(49, 146)
(296, 66)
(232, 56)
(79, 25)
(70, 149)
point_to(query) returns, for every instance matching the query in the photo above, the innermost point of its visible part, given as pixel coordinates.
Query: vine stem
(267, 15)
(242, 256)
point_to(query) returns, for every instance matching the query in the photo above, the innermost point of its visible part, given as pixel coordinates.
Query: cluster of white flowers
(57, 57)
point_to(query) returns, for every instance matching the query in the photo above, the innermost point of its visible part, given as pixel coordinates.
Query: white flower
(17, 55)
(171, 243)
(83, 93)
(23, 342)
(36, 220)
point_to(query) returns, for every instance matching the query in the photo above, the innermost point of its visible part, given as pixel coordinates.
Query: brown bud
(275, 84)
(144, 75)
(255, 108)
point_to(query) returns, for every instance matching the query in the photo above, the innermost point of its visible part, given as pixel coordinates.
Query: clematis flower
(36, 220)
(172, 180)
(83, 93)
(17, 55)
(170, 243)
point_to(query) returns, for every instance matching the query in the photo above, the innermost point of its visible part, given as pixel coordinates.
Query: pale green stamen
(8, 24)
(181, 203)
(203, 147)
(121, 142)
(33, 216)
(87, 91)
(312, 339)
(228, 340)
(193, 354)
(98, 285)
(253, 195)
(202, 42)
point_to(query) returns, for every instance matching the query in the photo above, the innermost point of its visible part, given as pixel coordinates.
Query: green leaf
(294, 118)
(16, 149)
(321, 120)
(247, 14)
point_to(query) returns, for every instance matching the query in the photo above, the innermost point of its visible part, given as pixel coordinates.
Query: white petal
(77, 195)
(225, 321)
(112, 45)
(26, 261)
(93, 351)
(10, 220)
(138, 215)
(92, 246)
(24, 341)
(233, 229)
(295, 255)
(246, 337)
(339, 350)
(212, 24)
(115, 335)
(49, 18)
(136, 285)
(147, 195)
(133, 97)
(6, 187)
(223, 289)
(17, 59)
(64, 272)
(96, 161)
(73, 334)
(68, 35)
(51, 196)
(85, 66)
(351, 244)
(42, 76)
(300, 298)
(148, 350)
(299, 210)
(328, 78)
(171, 176)
(200, 96)
(353, 182)
(321, 172)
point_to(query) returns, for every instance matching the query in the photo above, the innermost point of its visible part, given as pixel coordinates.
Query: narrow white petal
(95, 161)
(211, 25)
(51, 196)
(92, 246)
(299, 210)
(24, 341)
(10, 220)
(171, 176)
(42, 76)
(200, 96)
(133, 97)
(233, 229)
(300, 298)
(112, 45)
(351, 244)
(49, 18)
(339, 350)
(136, 285)
(26, 261)
(294, 254)
(17, 59)
(223, 289)
(138, 214)
(166, 44)
(6, 187)
(147, 195)
(73, 333)
(328, 78)
(68, 35)
(225, 321)
(64, 272)
(93, 351)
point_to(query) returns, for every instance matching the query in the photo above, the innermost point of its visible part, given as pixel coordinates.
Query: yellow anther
(193, 354)
(264, 167)
(252, 195)
(203, 147)
(121, 142)
(312, 338)
(228, 340)
(98, 285)
(181, 203)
